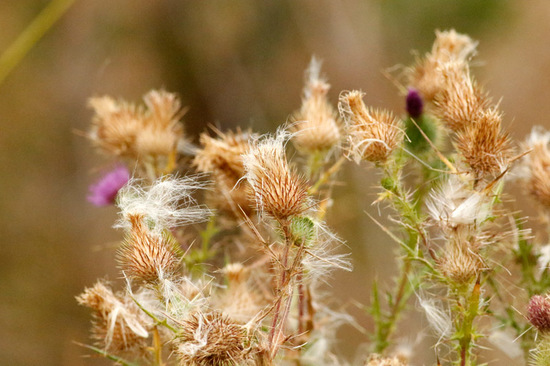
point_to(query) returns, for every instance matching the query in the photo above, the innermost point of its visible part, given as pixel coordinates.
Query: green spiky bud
(303, 230)
(388, 183)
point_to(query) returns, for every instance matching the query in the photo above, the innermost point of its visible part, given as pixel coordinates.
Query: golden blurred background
(234, 63)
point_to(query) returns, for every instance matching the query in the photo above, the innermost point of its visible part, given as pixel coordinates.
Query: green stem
(465, 329)
(31, 35)
(412, 221)
(327, 175)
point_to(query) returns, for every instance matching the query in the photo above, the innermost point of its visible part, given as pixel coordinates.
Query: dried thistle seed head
(162, 130)
(483, 145)
(241, 300)
(119, 327)
(449, 45)
(222, 157)
(164, 109)
(278, 190)
(316, 126)
(425, 75)
(211, 340)
(538, 312)
(377, 360)
(148, 256)
(539, 184)
(373, 134)
(461, 102)
(127, 130)
(461, 263)
(535, 167)
(115, 126)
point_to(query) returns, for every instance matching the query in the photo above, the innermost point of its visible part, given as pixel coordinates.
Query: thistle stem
(157, 346)
(327, 175)
(465, 330)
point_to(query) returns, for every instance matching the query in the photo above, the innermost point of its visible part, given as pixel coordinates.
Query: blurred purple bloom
(415, 105)
(104, 192)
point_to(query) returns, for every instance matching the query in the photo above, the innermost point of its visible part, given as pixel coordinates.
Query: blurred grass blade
(31, 35)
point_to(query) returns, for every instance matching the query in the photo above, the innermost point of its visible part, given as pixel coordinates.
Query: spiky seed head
(425, 75)
(118, 326)
(373, 134)
(115, 126)
(449, 45)
(146, 255)
(241, 300)
(539, 171)
(222, 157)
(278, 190)
(211, 340)
(316, 125)
(461, 262)
(377, 360)
(538, 312)
(484, 146)
(131, 131)
(461, 102)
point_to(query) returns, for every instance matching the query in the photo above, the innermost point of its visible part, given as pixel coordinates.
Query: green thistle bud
(303, 230)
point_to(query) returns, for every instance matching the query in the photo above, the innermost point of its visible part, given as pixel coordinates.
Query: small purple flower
(104, 192)
(415, 105)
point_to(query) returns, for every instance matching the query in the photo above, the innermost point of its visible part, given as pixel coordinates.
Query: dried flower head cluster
(138, 133)
(316, 124)
(244, 288)
(373, 134)
(443, 78)
(278, 189)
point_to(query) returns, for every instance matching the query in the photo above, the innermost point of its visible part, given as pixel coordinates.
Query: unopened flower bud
(415, 104)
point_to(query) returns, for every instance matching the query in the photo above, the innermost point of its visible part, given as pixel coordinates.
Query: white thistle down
(166, 204)
(507, 342)
(539, 136)
(453, 204)
(543, 260)
(438, 318)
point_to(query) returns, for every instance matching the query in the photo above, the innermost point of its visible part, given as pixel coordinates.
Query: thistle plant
(225, 245)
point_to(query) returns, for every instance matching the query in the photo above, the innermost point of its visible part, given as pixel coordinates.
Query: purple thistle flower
(103, 193)
(415, 105)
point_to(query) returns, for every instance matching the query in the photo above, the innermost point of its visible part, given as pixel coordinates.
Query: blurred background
(234, 63)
